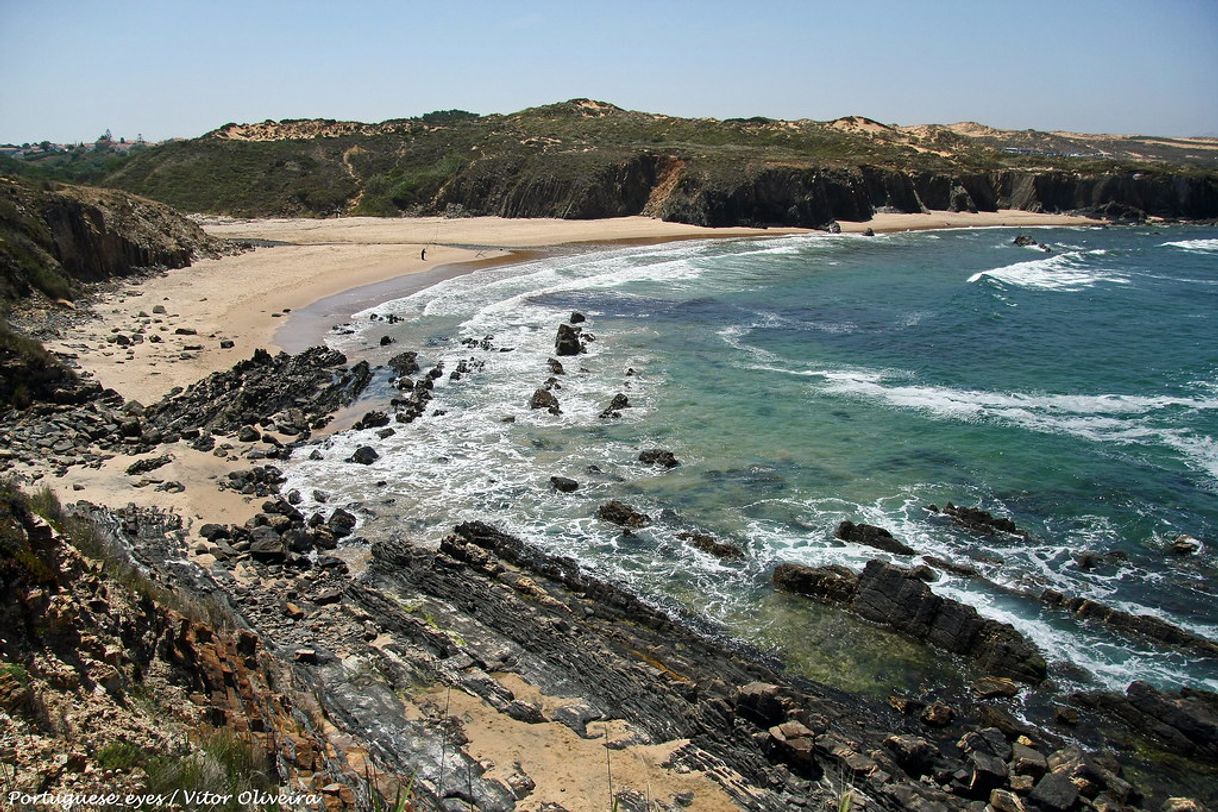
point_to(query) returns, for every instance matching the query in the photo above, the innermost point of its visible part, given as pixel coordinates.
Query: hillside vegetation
(583, 158)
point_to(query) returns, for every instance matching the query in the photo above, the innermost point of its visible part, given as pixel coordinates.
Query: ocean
(803, 380)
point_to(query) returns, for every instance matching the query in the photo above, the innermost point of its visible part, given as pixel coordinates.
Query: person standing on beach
(423, 255)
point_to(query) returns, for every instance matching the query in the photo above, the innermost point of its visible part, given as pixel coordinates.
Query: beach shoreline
(316, 274)
(243, 299)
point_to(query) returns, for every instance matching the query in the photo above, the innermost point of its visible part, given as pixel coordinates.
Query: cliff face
(672, 189)
(50, 239)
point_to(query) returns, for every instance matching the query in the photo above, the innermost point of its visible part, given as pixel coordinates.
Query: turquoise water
(805, 380)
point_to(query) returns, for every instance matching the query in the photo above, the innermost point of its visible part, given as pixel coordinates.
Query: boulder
(832, 583)
(372, 420)
(150, 464)
(577, 318)
(658, 456)
(871, 536)
(556, 367)
(913, 754)
(1055, 792)
(342, 523)
(405, 363)
(563, 484)
(989, 687)
(266, 545)
(759, 702)
(1185, 545)
(709, 544)
(622, 515)
(977, 520)
(364, 455)
(615, 406)
(567, 341)
(544, 399)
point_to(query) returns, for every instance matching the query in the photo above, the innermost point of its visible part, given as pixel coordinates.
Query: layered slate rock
(896, 598)
(1184, 721)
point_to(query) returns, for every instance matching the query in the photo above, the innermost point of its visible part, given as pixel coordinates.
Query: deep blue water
(805, 380)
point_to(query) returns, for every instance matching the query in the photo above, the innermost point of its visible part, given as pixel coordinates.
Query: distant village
(106, 142)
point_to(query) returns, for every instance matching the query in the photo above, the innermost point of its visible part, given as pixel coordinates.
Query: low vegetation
(410, 166)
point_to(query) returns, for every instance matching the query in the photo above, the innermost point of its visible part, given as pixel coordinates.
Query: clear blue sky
(70, 69)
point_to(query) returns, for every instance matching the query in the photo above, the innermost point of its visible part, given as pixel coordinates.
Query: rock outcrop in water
(897, 598)
(871, 536)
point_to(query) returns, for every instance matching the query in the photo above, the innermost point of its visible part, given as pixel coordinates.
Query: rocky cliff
(810, 196)
(585, 159)
(54, 237)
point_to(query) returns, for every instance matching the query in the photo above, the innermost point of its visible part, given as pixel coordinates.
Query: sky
(69, 70)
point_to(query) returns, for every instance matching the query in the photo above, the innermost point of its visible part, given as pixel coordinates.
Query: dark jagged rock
(1185, 545)
(832, 583)
(1184, 721)
(405, 363)
(1055, 792)
(871, 536)
(564, 484)
(567, 342)
(896, 598)
(556, 367)
(544, 399)
(364, 455)
(372, 420)
(976, 520)
(622, 515)
(313, 382)
(150, 464)
(614, 409)
(967, 570)
(577, 318)
(1145, 626)
(710, 544)
(658, 456)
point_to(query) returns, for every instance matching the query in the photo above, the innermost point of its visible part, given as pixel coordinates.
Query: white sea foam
(1029, 567)
(470, 464)
(1207, 246)
(1067, 272)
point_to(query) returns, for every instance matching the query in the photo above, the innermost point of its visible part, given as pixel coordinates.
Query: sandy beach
(250, 298)
(270, 298)
(247, 299)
